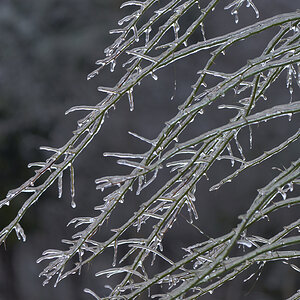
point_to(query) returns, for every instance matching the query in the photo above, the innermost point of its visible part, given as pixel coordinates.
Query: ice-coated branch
(212, 260)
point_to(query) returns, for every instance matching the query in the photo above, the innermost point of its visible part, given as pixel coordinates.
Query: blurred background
(46, 50)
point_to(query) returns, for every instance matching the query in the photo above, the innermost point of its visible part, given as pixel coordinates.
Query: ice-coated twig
(258, 160)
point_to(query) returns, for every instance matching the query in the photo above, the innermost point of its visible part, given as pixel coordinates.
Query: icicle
(60, 184)
(140, 188)
(51, 149)
(202, 31)
(250, 3)
(130, 99)
(174, 91)
(118, 31)
(123, 155)
(230, 153)
(147, 35)
(298, 77)
(100, 62)
(245, 242)
(151, 142)
(239, 146)
(88, 291)
(176, 28)
(289, 76)
(112, 65)
(282, 193)
(72, 186)
(126, 19)
(236, 17)
(155, 77)
(250, 137)
(20, 232)
(115, 253)
(296, 268)
(135, 33)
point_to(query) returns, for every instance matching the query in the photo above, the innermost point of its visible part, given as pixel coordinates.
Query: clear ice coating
(163, 208)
